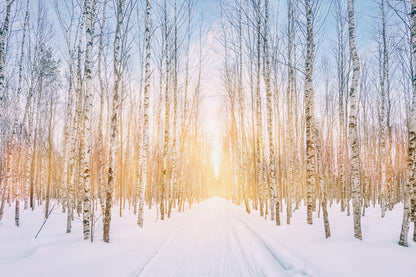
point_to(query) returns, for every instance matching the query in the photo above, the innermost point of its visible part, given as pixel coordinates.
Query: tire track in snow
(258, 252)
(215, 240)
(164, 245)
(189, 253)
(286, 260)
(208, 244)
(247, 264)
(157, 251)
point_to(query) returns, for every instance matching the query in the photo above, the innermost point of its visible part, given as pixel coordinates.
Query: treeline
(310, 117)
(101, 107)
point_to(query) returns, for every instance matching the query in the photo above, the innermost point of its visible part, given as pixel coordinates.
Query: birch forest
(152, 109)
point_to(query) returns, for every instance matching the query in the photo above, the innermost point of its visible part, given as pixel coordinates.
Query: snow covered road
(214, 238)
(218, 242)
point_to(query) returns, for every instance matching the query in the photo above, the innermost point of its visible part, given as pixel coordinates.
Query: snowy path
(217, 241)
(214, 238)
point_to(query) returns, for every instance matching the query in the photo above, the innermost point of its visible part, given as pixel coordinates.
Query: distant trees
(342, 84)
(318, 158)
(4, 29)
(15, 127)
(62, 149)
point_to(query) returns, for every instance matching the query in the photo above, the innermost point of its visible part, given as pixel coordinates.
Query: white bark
(167, 121)
(259, 137)
(353, 126)
(242, 143)
(410, 186)
(290, 129)
(101, 178)
(309, 113)
(341, 68)
(384, 138)
(269, 102)
(86, 138)
(76, 127)
(145, 149)
(173, 179)
(114, 122)
(48, 187)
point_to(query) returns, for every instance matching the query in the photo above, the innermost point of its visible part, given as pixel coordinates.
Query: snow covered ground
(214, 238)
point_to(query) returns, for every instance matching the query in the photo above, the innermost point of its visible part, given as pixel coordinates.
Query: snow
(214, 238)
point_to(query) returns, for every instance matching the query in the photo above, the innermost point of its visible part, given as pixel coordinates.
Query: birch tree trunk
(309, 113)
(145, 146)
(76, 126)
(86, 138)
(290, 87)
(48, 187)
(353, 126)
(167, 122)
(75, 134)
(114, 122)
(120, 147)
(68, 116)
(78, 182)
(341, 96)
(173, 179)
(320, 178)
(383, 128)
(259, 139)
(101, 179)
(269, 100)
(243, 174)
(410, 186)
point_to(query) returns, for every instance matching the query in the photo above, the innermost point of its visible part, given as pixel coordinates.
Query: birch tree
(114, 121)
(173, 179)
(101, 163)
(272, 178)
(86, 154)
(384, 87)
(242, 143)
(165, 179)
(353, 126)
(410, 187)
(309, 112)
(290, 108)
(341, 76)
(145, 149)
(259, 136)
